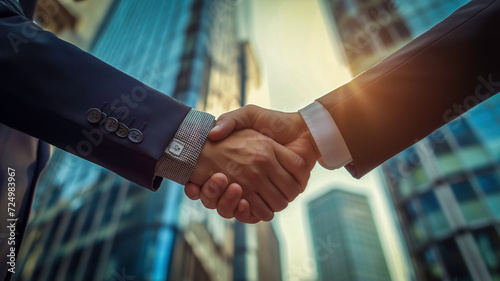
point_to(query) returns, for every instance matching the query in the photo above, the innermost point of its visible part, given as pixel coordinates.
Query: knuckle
(253, 173)
(250, 107)
(265, 140)
(262, 158)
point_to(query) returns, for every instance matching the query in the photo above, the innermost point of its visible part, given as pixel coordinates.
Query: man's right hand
(270, 174)
(289, 129)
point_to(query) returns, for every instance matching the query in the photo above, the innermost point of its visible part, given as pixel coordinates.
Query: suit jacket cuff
(326, 134)
(181, 155)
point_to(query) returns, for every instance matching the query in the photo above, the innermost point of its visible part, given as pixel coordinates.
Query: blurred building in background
(446, 188)
(345, 238)
(268, 253)
(370, 30)
(88, 223)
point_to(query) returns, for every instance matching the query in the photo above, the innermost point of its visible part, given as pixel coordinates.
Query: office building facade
(345, 238)
(446, 188)
(370, 30)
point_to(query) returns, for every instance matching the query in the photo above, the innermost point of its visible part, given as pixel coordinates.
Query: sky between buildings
(300, 62)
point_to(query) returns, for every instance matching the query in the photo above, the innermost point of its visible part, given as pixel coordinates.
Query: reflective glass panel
(470, 206)
(490, 184)
(434, 214)
(453, 260)
(488, 242)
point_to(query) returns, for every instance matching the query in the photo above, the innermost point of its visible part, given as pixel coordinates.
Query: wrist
(179, 158)
(202, 172)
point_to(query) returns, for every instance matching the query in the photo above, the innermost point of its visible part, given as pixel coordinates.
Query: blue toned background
(430, 213)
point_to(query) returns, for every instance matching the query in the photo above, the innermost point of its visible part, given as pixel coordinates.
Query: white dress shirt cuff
(326, 134)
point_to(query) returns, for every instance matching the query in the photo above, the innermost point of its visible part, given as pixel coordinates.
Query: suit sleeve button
(122, 131)
(94, 115)
(135, 136)
(111, 124)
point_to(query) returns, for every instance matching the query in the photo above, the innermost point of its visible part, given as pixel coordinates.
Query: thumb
(238, 119)
(224, 125)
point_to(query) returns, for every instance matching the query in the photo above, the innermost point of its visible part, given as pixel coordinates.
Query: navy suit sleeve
(48, 85)
(28, 7)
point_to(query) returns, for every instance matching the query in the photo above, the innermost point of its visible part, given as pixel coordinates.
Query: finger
(213, 189)
(282, 179)
(234, 120)
(192, 191)
(272, 195)
(296, 166)
(243, 213)
(228, 202)
(259, 207)
(224, 126)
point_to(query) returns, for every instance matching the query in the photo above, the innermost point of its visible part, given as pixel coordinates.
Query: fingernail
(216, 128)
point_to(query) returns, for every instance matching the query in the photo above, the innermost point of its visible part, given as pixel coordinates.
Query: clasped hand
(254, 163)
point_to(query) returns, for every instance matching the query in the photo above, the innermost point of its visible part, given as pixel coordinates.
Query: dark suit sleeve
(28, 7)
(421, 87)
(48, 85)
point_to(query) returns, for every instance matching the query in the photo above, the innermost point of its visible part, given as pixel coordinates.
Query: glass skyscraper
(345, 238)
(88, 223)
(446, 188)
(370, 30)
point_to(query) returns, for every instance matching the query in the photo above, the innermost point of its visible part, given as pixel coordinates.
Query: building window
(434, 214)
(471, 207)
(405, 188)
(487, 126)
(447, 161)
(417, 229)
(488, 242)
(453, 260)
(471, 150)
(400, 183)
(429, 264)
(418, 174)
(463, 133)
(490, 185)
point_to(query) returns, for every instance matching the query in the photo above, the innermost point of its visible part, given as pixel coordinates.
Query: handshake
(253, 164)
